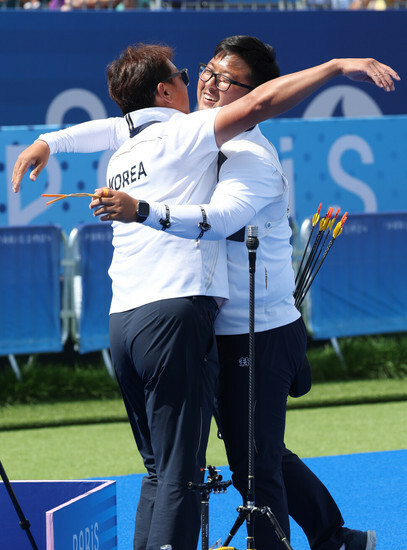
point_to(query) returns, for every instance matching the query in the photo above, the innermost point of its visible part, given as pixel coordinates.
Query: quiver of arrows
(318, 248)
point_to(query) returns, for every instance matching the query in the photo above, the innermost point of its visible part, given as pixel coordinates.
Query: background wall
(53, 63)
(350, 155)
(53, 73)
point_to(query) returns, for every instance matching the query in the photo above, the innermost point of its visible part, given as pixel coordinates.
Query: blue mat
(370, 490)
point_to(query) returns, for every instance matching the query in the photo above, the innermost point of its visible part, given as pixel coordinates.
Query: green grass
(99, 450)
(20, 416)
(352, 393)
(65, 419)
(61, 414)
(347, 429)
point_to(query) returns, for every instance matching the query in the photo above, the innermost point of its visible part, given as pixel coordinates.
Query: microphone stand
(252, 243)
(249, 510)
(24, 523)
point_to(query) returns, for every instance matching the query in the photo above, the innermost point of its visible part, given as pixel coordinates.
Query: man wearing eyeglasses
(309, 501)
(279, 328)
(216, 88)
(221, 81)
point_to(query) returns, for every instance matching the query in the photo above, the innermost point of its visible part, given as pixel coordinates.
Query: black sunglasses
(222, 82)
(184, 75)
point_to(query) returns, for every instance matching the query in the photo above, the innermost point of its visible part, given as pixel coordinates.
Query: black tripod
(24, 523)
(249, 510)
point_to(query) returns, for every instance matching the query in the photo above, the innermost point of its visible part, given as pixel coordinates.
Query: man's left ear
(163, 96)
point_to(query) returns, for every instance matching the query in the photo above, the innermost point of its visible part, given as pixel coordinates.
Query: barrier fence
(54, 287)
(361, 288)
(31, 296)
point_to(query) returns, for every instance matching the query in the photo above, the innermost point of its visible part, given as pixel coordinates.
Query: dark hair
(260, 57)
(133, 77)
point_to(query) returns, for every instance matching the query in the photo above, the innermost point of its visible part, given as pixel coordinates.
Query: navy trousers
(160, 355)
(311, 505)
(279, 355)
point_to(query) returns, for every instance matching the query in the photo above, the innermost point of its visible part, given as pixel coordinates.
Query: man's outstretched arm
(88, 137)
(277, 96)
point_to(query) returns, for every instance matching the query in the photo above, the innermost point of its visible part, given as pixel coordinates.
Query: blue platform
(369, 488)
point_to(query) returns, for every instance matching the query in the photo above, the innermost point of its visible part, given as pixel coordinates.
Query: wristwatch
(143, 211)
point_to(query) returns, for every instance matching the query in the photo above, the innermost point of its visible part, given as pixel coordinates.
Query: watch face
(143, 209)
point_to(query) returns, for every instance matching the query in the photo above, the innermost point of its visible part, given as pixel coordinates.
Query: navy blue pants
(311, 505)
(279, 355)
(160, 352)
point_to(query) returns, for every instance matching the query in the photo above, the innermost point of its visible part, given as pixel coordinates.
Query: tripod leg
(279, 532)
(240, 519)
(24, 523)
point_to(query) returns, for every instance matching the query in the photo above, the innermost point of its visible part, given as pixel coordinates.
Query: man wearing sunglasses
(216, 88)
(278, 329)
(309, 501)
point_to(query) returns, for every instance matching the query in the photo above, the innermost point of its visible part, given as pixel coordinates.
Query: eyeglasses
(222, 82)
(184, 75)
